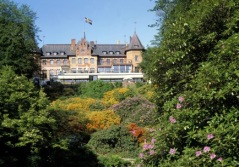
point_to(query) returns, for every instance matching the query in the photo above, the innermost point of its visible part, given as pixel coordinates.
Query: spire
(135, 43)
(84, 35)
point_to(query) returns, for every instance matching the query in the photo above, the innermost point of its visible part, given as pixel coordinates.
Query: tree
(26, 127)
(194, 67)
(18, 38)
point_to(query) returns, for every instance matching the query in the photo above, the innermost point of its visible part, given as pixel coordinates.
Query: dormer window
(48, 53)
(104, 52)
(117, 52)
(111, 52)
(55, 53)
(62, 53)
(136, 46)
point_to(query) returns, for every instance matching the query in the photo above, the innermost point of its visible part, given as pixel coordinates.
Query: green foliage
(112, 160)
(136, 110)
(96, 88)
(56, 90)
(197, 59)
(25, 123)
(17, 38)
(114, 140)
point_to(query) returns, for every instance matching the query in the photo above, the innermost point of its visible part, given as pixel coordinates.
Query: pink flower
(150, 146)
(145, 146)
(141, 155)
(198, 153)
(178, 106)
(180, 99)
(206, 149)
(151, 152)
(138, 165)
(153, 140)
(219, 159)
(213, 155)
(133, 132)
(172, 119)
(210, 136)
(151, 129)
(172, 151)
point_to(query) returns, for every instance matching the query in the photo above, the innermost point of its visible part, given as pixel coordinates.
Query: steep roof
(57, 48)
(135, 43)
(106, 49)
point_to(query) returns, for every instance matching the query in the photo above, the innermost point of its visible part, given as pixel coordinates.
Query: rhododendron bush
(195, 68)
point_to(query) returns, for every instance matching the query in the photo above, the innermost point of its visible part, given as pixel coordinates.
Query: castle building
(84, 61)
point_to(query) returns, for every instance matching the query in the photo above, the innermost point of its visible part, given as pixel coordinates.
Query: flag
(88, 21)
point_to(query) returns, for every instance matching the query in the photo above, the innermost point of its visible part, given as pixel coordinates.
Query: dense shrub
(96, 88)
(148, 91)
(117, 95)
(112, 160)
(196, 71)
(114, 140)
(101, 120)
(136, 110)
(54, 90)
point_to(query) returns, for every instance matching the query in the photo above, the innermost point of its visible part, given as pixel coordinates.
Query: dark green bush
(112, 161)
(116, 140)
(95, 89)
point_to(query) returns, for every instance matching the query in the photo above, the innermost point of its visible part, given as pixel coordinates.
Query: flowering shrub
(117, 95)
(80, 104)
(138, 132)
(196, 71)
(148, 91)
(101, 120)
(136, 110)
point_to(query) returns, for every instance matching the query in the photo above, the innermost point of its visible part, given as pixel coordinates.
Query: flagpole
(84, 28)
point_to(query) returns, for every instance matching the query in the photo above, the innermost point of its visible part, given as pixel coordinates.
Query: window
(58, 62)
(73, 60)
(104, 52)
(73, 70)
(55, 53)
(44, 62)
(117, 52)
(86, 70)
(116, 69)
(80, 70)
(62, 53)
(92, 70)
(136, 46)
(136, 58)
(79, 61)
(101, 61)
(85, 60)
(51, 62)
(108, 61)
(65, 61)
(115, 61)
(121, 61)
(48, 53)
(51, 72)
(92, 60)
(58, 71)
(111, 52)
(136, 69)
(122, 68)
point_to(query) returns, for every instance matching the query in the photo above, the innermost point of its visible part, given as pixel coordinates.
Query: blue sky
(113, 20)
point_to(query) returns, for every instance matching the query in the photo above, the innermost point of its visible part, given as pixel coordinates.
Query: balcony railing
(114, 62)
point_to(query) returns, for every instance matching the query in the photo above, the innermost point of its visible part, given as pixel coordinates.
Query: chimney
(118, 42)
(73, 44)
